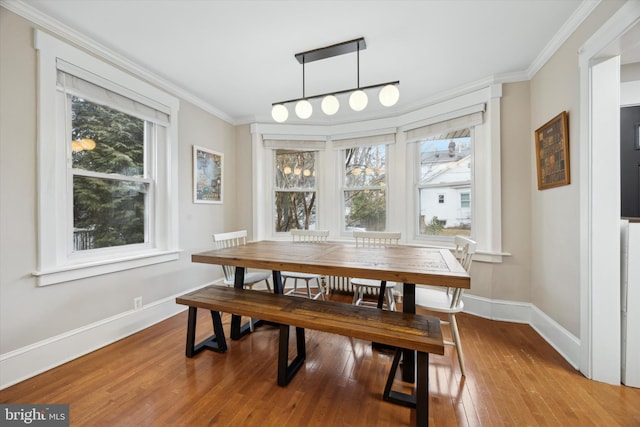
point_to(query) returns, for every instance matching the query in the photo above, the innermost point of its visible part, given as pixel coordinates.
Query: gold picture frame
(552, 152)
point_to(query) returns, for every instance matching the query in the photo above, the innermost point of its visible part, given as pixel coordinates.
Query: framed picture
(552, 152)
(207, 175)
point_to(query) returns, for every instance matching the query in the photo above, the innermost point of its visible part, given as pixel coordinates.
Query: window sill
(76, 272)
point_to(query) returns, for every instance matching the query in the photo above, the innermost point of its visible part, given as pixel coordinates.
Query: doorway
(600, 334)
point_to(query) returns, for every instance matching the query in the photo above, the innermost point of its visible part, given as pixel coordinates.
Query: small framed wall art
(552, 152)
(207, 175)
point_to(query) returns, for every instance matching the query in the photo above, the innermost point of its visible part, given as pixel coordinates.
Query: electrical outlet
(137, 303)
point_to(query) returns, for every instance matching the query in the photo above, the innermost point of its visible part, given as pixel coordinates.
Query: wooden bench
(401, 330)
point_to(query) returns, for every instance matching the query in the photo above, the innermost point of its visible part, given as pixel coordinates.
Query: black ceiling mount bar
(331, 51)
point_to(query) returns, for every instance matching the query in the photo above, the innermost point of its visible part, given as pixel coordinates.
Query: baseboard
(29, 361)
(565, 343)
(26, 362)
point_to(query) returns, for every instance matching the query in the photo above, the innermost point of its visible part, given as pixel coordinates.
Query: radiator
(343, 284)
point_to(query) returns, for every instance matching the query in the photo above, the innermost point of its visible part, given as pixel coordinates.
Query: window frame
(343, 187)
(56, 263)
(275, 189)
(442, 199)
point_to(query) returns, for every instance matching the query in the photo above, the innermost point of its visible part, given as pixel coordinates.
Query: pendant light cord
(358, 68)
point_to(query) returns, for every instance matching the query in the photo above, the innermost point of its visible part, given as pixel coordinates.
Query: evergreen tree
(110, 211)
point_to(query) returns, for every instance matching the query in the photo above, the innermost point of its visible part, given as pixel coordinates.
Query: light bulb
(304, 109)
(389, 95)
(76, 147)
(88, 144)
(279, 113)
(358, 100)
(330, 105)
(287, 170)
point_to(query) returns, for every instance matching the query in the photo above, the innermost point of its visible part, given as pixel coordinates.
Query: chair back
(464, 250)
(376, 239)
(230, 240)
(313, 236)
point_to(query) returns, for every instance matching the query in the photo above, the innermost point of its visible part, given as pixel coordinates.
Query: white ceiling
(235, 58)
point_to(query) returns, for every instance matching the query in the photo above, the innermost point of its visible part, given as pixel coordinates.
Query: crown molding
(59, 29)
(569, 27)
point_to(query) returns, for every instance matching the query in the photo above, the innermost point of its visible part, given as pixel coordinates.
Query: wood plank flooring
(514, 378)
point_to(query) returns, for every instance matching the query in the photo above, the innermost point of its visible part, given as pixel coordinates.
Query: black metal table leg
(383, 290)
(238, 331)
(277, 282)
(408, 356)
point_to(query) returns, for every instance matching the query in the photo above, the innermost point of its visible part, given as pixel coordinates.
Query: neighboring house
(446, 177)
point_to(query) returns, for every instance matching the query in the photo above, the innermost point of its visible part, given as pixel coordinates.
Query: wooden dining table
(409, 265)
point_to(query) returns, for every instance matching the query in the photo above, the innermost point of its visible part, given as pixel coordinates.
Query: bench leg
(286, 371)
(421, 399)
(422, 390)
(215, 342)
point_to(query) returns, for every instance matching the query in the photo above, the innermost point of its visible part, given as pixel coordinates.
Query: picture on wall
(207, 175)
(552, 153)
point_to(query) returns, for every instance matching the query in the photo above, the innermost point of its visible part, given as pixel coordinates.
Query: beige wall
(555, 278)
(243, 177)
(630, 72)
(512, 279)
(30, 314)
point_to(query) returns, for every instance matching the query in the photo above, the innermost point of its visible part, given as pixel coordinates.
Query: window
(465, 200)
(110, 176)
(295, 190)
(444, 184)
(108, 162)
(365, 203)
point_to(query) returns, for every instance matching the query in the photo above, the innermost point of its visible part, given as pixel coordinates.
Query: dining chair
(251, 278)
(311, 236)
(375, 239)
(449, 300)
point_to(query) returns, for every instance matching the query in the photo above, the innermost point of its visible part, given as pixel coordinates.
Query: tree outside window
(365, 204)
(110, 189)
(295, 193)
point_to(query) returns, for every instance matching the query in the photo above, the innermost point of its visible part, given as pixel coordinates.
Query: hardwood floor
(514, 378)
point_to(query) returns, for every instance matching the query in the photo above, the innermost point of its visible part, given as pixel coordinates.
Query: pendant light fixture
(358, 100)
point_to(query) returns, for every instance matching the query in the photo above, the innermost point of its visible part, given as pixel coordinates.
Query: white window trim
(400, 198)
(54, 264)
